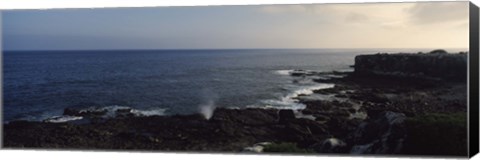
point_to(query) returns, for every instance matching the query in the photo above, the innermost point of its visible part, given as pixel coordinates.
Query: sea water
(41, 84)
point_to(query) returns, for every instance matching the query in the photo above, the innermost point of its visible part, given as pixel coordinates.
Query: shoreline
(360, 115)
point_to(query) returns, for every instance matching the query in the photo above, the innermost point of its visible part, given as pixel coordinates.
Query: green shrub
(285, 148)
(437, 134)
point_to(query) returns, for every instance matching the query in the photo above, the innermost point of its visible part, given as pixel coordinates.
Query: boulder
(383, 135)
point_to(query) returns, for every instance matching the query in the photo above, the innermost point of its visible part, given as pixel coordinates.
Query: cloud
(366, 25)
(356, 17)
(395, 25)
(275, 9)
(438, 12)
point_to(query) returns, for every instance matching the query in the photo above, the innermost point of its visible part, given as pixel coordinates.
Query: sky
(368, 25)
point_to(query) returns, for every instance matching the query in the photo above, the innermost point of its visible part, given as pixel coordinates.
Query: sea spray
(208, 106)
(207, 109)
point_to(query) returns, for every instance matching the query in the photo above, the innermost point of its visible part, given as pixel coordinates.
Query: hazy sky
(378, 25)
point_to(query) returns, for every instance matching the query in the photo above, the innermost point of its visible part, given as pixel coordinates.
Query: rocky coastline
(391, 104)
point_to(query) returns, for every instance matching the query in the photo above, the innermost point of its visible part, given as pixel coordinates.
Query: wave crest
(290, 102)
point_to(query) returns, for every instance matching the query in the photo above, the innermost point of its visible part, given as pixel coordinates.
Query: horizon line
(159, 49)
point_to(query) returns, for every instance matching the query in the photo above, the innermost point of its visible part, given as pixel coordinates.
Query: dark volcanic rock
(227, 130)
(370, 97)
(341, 127)
(85, 112)
(304, 132)
(438, 51)
(71, 112)
(246, 116)
(447, 66)
(285, 115)
(321, 118)
(383, 135)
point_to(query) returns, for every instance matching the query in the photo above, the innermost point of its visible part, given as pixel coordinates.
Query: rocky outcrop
(227, 130)
(432, 65)
(381, 135)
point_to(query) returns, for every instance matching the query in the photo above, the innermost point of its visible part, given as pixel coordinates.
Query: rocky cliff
(432, 65)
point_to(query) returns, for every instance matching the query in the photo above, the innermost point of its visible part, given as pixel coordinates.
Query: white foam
(61, 119)
(345, 70)
(290, 102)
(309, 90)
(151, 112)
(257, 148)
(299, 114)
(284, 72)
(111, 111)
(292, 106)
(335, 76)
(334, 142)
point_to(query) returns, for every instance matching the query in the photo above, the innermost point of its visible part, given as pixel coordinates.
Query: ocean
(41, 84)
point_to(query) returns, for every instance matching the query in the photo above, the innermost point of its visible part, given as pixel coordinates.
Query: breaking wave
(112, 111)
(108, 112)
(290, 101)
(60, 119)
(284, 72)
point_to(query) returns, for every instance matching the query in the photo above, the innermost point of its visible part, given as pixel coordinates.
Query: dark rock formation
(382, 135)
(227, 130)
(438, 51)
(434, 65)
(98, 112)
(285, 115)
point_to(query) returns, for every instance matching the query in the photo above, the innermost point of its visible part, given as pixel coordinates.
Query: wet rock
(321, 118)
(285, 115)
(85, 112)
(370, 97)
(246, 116)
(124, 112)
(351, 110)
(374, 113)
(342, 126)
(71, 112)
(324, 80)
(314, 127)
